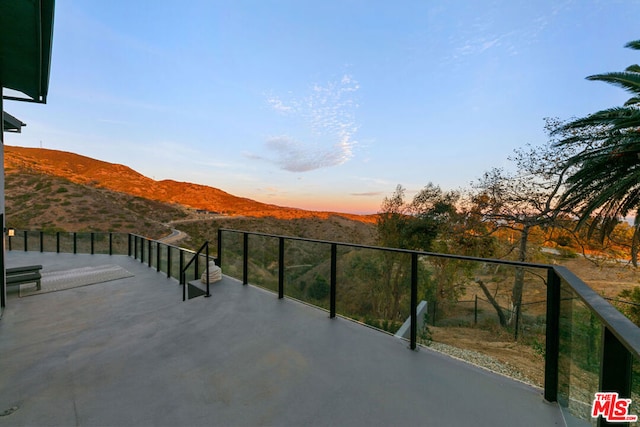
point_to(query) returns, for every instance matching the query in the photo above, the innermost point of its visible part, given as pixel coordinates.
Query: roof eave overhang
(12, 124)
(26, 35)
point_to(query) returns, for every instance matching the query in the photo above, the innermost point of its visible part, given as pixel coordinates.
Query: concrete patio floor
(130, 352)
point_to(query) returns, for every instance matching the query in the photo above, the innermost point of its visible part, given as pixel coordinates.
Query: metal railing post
(183, 280)
(207, 268)
(110, 243)
(149, 252)
(245, 258)
(168, 261)
(42, 241)
(135, 247)
(475, 311)
(552, 344)
(129, 243)
(158, 257)
(219, 258)
(75, 242)
(333, 290)
(616, 368)
(25, 241)
(181, 265)
(280, 267)
(92, 243)
(414, 300)
(57, 242)
(433, 316)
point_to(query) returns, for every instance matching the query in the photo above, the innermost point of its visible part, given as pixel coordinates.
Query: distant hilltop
(96, 173)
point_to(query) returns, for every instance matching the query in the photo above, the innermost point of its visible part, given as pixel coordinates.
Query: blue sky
(323, 105)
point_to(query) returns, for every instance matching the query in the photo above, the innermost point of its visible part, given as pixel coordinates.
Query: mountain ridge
(120, 178)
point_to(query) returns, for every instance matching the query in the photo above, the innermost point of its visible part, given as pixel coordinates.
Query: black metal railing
(170, 259)
(194, 260)
(163, 257)
(69, 242)
(574, 312)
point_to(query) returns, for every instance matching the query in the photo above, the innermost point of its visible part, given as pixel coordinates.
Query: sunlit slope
(95, 173)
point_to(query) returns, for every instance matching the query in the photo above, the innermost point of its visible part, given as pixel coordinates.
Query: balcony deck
(130, 352)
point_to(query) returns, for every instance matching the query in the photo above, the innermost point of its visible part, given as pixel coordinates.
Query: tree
(521, 200)
(415, 225)
(423, 223)
(605, 185)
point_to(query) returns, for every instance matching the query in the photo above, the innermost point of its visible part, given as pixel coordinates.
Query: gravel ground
(480, 360)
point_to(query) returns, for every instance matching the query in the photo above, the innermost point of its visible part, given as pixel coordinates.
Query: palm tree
(606, 183)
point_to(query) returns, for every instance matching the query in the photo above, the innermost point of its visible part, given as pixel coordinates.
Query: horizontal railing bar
(398, 250)
(166, 244)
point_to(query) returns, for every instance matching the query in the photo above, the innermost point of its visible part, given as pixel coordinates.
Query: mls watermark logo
(612, 408)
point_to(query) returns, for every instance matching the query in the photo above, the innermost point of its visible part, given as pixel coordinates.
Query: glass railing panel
(83, 243)
(175, 262)
(15, 242)
(472, 306)
(163, 250)
(135, 247)
(374, 287)
(32, 241)
(144, 251)
(66, 242)
(101, 243)
(232, 252)
(579, 359)
(140, 248)
(49, 242)
(120, 243)
(152, 260)
(263, 264)
(307, 272)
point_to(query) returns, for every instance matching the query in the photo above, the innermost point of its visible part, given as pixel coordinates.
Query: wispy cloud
(296, 156)
(327, 116)
(489, 31)
(278, 105)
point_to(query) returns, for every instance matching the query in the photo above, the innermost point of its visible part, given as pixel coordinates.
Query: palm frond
(626, 80)
(604, 182)
(633, 45)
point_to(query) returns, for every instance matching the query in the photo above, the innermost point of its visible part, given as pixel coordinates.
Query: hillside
(58, 191)
(98, 174)
(43, 202)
